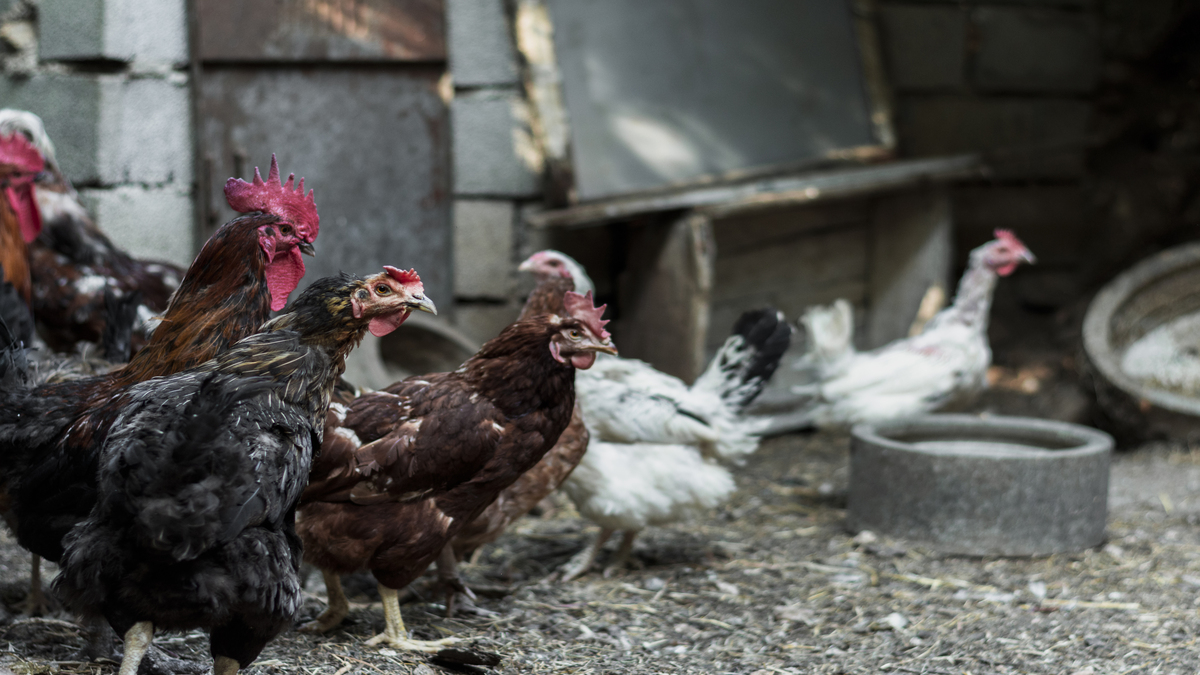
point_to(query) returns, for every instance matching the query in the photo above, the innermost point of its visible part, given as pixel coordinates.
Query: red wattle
(382, 325)
(583, 360)
(22, 202)
(283, 275)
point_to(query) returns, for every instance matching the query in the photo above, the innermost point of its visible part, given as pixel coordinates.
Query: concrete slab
(494, 152)
(69, 105)
(154, 223)
(151, 31)
(483, 322)
(480, 44)
(144, 129)
(483, 249)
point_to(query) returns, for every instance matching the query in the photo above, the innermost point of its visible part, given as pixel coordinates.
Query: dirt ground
(772, 583)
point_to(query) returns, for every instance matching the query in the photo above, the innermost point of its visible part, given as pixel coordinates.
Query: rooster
(20, 221)
(72, 263)
(658, 447)
(407, 467)
(50, 436)
(946, 363)
(193, 525)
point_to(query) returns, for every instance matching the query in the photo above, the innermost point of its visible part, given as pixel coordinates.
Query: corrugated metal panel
(372, 143)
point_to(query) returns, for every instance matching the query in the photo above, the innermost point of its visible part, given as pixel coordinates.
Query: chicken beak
(423, 303)
(306, 248)
(1028, 256)
(526, 266)
(605, 346)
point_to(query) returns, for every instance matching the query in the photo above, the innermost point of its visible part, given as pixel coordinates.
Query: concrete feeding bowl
(1010, 486)
(1142, 339)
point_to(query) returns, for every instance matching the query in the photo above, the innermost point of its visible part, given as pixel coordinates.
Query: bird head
(283, 241)
(20, 163)
(549, 264)
(1004, 253)
(388, 298)
(581, 332)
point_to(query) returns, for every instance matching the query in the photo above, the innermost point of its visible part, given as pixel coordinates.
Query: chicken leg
(137, 643)
(35, 603)
(336, 607)
(583, 561)
(395, 635)
(223, 665)
(623, 552)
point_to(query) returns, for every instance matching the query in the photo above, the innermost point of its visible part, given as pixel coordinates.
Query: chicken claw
(396, 636)
(335, 610)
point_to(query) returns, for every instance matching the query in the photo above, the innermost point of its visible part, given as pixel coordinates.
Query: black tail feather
(766, 334)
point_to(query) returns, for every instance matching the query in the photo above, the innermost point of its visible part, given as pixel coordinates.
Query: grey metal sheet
(321, 30)
(665, 93)
(373, 144)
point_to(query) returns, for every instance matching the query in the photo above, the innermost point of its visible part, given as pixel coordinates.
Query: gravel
(772, 583)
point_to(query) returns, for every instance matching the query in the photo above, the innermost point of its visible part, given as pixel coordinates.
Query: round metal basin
(1142, 338)
(1011, 486)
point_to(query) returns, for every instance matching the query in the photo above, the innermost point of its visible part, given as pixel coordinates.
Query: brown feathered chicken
(201, 472)
(72, 262)
(50, 436)
(407, 467)
(534, 485)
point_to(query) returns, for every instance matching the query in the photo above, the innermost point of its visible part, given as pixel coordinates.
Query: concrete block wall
(496, 165)
(109, 79)
(1013, 80)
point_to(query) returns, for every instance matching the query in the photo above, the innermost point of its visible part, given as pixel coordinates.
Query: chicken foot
(223, 665)
(35, 602)
(395, 635)
(583, 561)
(336, 607)
(452, 584)
(623, 552)
(137, 643)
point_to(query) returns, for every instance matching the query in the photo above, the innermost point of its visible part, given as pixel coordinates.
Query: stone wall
(109, 79)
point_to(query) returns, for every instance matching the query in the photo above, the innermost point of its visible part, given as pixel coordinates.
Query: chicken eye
(286, 229)
(382, 290)
(575, 334)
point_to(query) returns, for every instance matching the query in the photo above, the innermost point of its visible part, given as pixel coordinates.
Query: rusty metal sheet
(321, 30)
(372, 143)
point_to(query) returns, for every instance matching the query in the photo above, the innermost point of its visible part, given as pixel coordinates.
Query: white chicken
(946, 362)
(659, 448)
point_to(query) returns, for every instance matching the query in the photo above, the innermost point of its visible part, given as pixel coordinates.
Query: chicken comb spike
(1008, 236)
(280, 200)
(582, 308)
(16, 151)
(403, 276)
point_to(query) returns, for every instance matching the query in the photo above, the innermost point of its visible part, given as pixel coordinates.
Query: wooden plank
(722, 201)
(911, 250)
(665, 295)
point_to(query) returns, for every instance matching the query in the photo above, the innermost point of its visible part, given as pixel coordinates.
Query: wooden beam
(721, 201)
(665, 295)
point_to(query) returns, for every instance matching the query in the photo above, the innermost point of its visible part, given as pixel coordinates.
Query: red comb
(582, 308)
(1007, 236)
(16, 151)
(404, 277)
(280, 200)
